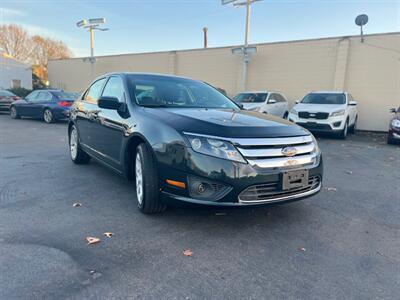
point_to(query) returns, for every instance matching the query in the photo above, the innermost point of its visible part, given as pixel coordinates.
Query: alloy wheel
(73, 143)
(139, 179)
(13, 112)
(48, 117)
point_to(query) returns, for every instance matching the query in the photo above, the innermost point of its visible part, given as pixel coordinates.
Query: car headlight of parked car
(293, 111)
(395, 123)
(338, 113)
(316, 150)
(215, 147)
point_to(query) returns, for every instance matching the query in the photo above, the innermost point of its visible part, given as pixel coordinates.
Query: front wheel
(343, 133)
(147, 182)
(48, 116)
(354, 126)
(285, 115)
(78, 156)
(14, 113)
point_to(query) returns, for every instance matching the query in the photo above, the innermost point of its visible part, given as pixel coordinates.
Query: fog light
(205, 189)
(337, 124)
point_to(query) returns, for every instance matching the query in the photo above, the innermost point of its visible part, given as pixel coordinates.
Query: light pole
(92, 25)
(245, 50)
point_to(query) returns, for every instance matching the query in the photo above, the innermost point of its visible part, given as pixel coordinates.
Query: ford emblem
(289, 151)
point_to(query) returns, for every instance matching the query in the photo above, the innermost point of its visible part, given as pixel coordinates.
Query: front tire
(343, 133)
(14, 113)
(285, 115)
(48, 116)
(146, 178)
(354, 126)
(78, 156)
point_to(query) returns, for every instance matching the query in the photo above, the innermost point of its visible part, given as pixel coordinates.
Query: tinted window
(324, 98)
(176, 92)
(93, 94)
(114, 88)
(43, 96)
(65, 96)
(279, 98)
(32, 95)
(251, 97)
(4, 93)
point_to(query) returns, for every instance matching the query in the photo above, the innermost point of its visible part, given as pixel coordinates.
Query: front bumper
(237, 176)
(332, 124)
(394, 133)
(5, 106)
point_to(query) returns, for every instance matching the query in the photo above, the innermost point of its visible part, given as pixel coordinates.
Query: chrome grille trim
(284, 161)
(265, 152)
(272, 141)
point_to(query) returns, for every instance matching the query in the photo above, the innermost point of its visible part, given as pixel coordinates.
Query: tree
(34, 50)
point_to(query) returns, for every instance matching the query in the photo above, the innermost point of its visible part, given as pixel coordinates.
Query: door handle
(93, 114)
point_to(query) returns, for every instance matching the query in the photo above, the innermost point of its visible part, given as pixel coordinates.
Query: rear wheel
(343, 133)
(147, 182)
(14, 113)
(78, 156)
(48, 116)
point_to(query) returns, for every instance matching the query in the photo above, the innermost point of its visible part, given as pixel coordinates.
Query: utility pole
(245, 50)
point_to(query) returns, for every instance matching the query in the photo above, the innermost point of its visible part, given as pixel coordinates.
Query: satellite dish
(361, 20)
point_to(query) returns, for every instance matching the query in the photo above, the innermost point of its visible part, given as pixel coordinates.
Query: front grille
(273, 191)
(277, 152)
(310, 115)
(315, 126)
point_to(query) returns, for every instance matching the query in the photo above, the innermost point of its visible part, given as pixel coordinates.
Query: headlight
(293, 111)
(214, 147)
(395, 123)
(338, 113)
(316, 147)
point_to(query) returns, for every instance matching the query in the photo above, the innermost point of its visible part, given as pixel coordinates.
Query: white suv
(326, 111)
(270, 102)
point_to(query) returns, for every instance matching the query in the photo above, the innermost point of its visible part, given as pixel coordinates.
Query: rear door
(282, 105)
(86, 111)
(109, 125)
(43, 99)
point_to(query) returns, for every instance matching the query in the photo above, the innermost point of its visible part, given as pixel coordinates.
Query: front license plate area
(294, 179)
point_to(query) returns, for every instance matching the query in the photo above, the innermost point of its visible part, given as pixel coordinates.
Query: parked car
(326, 111)
(6, 98)
(270, 102)
(183, 141)
(394, 127)
(49, 105)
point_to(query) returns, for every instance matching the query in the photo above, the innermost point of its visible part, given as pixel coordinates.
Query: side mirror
(353, 103)
(296, 101)
(271, 101)
(392, 110)
(109, 103)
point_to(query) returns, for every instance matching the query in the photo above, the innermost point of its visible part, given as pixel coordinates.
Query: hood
(251, 106)
(319, 107)
(226, 123)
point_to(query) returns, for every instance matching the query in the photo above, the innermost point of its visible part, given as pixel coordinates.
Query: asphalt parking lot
(342, 243)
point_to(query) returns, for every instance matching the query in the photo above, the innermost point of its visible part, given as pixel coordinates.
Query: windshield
(251, 97)
(163, 91)
(65, 96)
(324, 98)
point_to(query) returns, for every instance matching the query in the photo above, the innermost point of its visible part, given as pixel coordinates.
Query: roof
(328, 92)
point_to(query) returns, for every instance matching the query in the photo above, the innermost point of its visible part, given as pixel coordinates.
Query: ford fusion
(181, 140)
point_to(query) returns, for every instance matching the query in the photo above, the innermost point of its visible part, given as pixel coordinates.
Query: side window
(32, 96)
(93, 94)
(114, 88)
(43, 96)
(273, 96)
(280, 98)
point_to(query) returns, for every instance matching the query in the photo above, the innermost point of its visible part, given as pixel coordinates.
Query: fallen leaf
(349, 172)
(108, 234)
(331, 189)
(391, 158)
(303, 249)
(92, 240)
(188, 252)
(77, 204)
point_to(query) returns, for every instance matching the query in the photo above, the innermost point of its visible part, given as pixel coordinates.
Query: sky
(163, 25)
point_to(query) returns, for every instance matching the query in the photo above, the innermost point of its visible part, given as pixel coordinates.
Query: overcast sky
(156, 25)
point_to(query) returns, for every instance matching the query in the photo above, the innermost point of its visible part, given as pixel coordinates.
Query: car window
(94, 92)
(114, 88)
(280, 98)
(251, 97)
(65, 96)
(274, 96)
(4, 93)
(32, 96)
(43, 96)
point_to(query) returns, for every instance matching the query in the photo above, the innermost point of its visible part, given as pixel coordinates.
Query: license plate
(294, 179)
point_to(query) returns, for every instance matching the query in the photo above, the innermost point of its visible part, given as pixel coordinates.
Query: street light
(245, 50)
(92, 25)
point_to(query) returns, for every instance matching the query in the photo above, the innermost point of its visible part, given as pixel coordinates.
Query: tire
(78, 156)
(390, 140)
(343, 133)
(14, 113)
(285, 115)
(353, 128)
(48, 116)
(146, 179)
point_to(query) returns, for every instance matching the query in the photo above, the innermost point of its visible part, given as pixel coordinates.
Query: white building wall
(11, 69)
